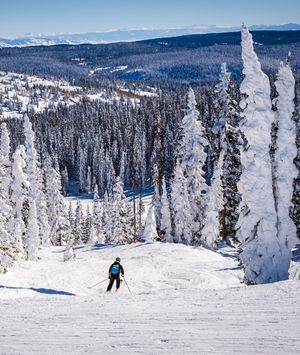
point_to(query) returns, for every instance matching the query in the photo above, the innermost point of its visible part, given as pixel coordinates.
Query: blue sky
(18, 17)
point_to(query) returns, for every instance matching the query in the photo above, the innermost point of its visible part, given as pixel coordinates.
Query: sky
(19, 17)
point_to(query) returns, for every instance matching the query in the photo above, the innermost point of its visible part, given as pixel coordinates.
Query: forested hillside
(221, 159)
(185, 59)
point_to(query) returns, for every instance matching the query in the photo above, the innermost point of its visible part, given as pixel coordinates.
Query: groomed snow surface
(185, 300)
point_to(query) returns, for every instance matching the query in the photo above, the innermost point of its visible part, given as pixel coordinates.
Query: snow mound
(151, 268)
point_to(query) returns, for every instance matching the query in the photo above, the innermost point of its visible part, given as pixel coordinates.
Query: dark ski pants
(112, 280)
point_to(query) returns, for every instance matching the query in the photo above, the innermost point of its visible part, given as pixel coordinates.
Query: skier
(115, 270)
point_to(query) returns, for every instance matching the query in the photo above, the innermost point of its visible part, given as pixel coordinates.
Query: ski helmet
(118, 259)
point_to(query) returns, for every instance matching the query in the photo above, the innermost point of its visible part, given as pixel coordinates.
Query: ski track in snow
(185, 300)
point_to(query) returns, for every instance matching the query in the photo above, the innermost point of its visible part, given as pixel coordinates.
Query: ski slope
(184, 300)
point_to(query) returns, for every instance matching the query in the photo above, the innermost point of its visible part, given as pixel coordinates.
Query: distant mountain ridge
(128, 35)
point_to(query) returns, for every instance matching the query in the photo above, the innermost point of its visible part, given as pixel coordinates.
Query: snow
(119, 68)
(22, 88)
(18, 91)
(185, 300)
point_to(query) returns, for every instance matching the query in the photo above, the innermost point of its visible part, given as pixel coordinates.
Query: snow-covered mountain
(130, 35)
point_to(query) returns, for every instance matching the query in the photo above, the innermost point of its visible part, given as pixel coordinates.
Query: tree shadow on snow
(101, 246)
(46, 291)
(231, 268)
(234, 255)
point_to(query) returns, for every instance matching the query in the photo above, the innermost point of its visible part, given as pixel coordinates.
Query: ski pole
(98, 283)
(127, 285)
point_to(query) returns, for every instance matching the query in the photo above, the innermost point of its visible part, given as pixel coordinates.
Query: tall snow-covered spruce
(34, 175)
(221, 210)
(261, 254)
(285, 170)
(31, 238)
(215, 204)
(165, 224)
(59, 223)
(121, 220)
(19, 191)
(7, 250)
(191, 156)
(181, 208)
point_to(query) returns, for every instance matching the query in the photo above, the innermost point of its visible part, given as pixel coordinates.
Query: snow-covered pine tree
(57, 215)
(150, 229)
(107, 218)
(92, 236)
(181, 209)
(231, 174)
(221, 107)
(70, 234)
(122, 231)
(122, 168)
(7, 251)
(65, 181)
(82, 167)
(166, 223)
(261, 254)
(192, 157)
(88, 186)
(296, 194)
(18, 194)
(157, 173)
(285, 170)
(32, 169)
(34, 175)
(215, 205)
(157, 197)
(78, 230)
(6, 241)
(97, 217)
(31, 237)
(88, 228)
(5, 163)
(227, 140)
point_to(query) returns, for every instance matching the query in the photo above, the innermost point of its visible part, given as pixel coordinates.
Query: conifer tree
(192, 157)
(79, 224)
(35, 191)
(7, 251)
(107, 218)
(215, 204)
(31, 238)
(97, 217)
(5, 163)
(285, 170)
(166, 224)
(261, 254)
(121, 231)
(19, 190)
(181, 209)
(59, 224)
(226, 142)
(150, 230)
